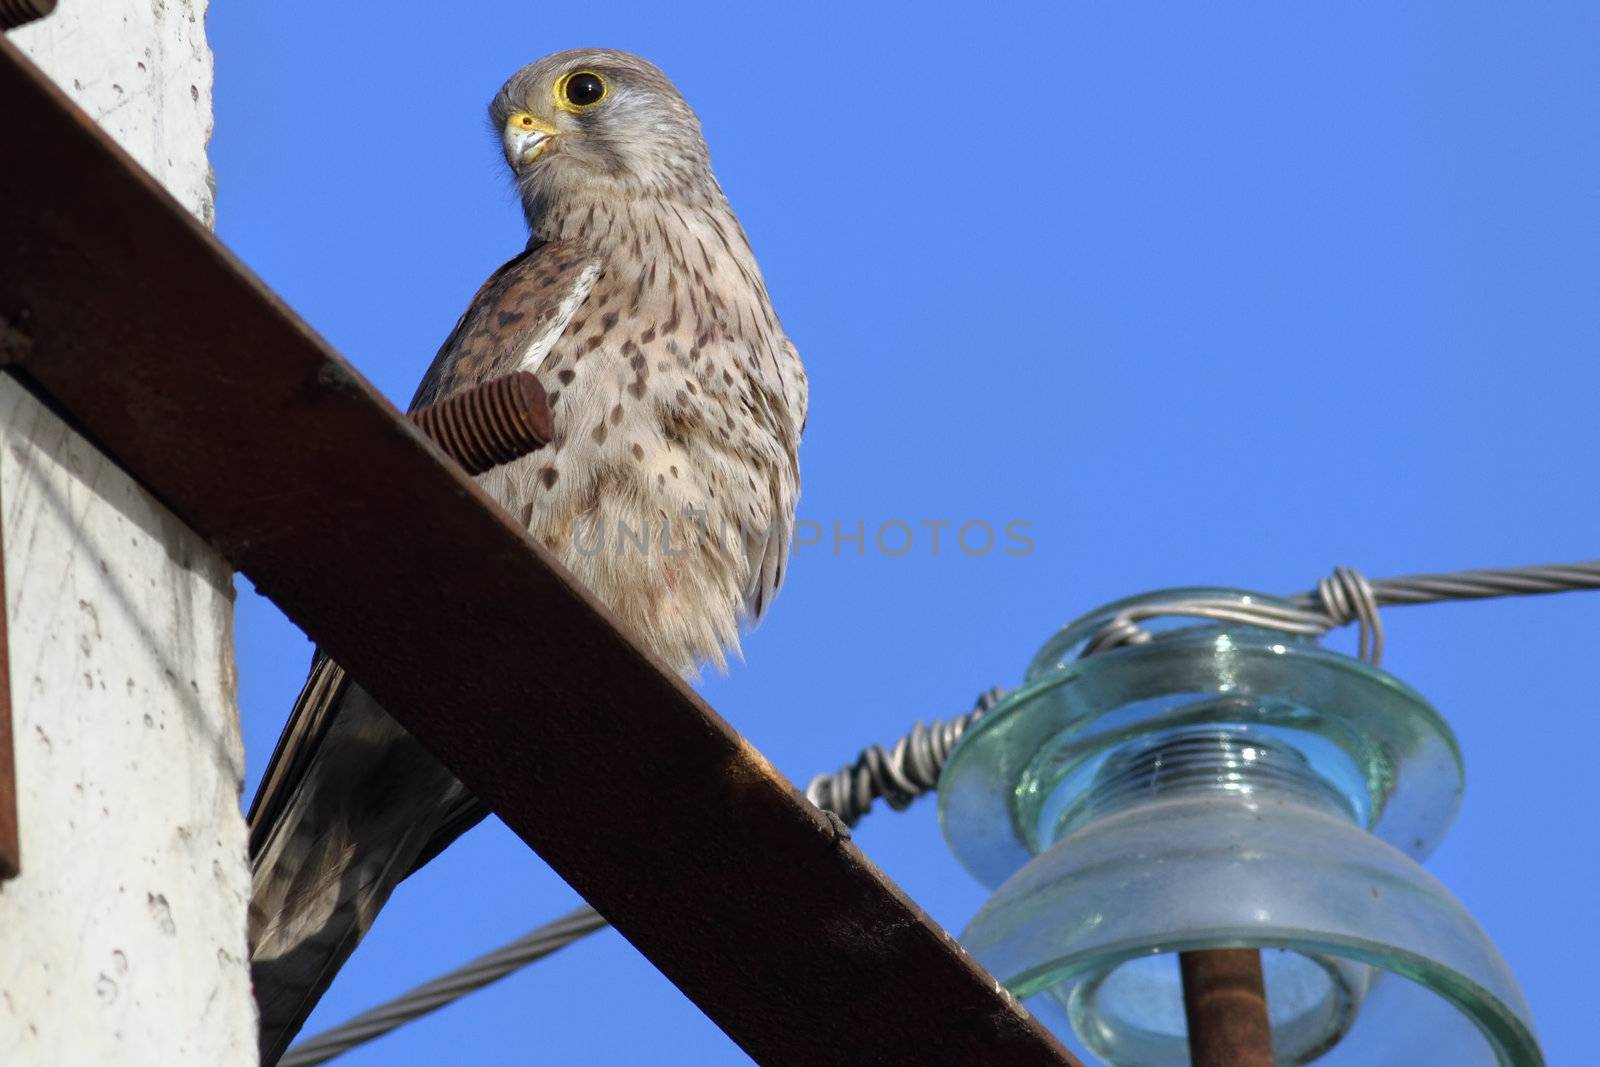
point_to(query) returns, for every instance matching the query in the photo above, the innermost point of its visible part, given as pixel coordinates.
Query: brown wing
(523, 306)
(513, 320)
(350, 804)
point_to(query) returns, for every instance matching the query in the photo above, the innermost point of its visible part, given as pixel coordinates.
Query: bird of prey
(678, 405)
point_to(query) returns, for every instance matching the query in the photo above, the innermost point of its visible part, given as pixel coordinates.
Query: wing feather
(769, 549)
(325, 861)
(514, 318)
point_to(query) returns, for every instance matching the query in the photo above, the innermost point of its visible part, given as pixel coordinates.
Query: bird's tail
(350, 805)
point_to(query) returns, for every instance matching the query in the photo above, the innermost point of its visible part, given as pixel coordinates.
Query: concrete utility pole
(122, 940)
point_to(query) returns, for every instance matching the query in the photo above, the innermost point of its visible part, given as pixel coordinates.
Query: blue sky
(1204, 293)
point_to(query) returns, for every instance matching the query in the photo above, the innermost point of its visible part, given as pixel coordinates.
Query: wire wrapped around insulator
(899, 775)
(911, 768)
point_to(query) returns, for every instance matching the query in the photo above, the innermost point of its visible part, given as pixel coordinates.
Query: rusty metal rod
(1225, 1001)
(494, 423)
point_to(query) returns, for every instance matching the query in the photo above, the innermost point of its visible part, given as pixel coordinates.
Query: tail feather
(364, 806)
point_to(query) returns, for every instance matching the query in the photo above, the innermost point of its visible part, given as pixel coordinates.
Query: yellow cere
(522, 120)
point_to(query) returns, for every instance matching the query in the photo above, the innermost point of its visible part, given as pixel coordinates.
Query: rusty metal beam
(195, 378)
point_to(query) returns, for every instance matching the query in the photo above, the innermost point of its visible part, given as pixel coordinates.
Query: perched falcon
(678, 406)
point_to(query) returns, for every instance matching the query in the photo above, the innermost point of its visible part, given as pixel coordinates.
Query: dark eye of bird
(584, 88)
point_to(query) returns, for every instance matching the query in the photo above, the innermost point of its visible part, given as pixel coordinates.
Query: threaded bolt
(14, 13)
(494, 423)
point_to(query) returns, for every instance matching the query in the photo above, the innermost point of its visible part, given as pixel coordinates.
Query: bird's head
(599, 120)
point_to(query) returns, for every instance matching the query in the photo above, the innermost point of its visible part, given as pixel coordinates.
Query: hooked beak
(525, 137)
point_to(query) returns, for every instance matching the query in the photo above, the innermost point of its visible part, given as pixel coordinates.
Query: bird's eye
(581, 89)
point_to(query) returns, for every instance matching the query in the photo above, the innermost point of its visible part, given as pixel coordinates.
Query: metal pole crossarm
(199, 382)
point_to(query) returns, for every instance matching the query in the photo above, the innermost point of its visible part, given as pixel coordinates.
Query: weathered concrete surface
(123, 939)
(142, 69)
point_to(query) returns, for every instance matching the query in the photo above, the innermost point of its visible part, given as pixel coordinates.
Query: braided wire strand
(899, 775)
(1346, 597)
(911, 767)
(449, 987)
(1482, 584)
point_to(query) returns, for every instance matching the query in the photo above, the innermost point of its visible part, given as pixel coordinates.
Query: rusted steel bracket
(200, 383)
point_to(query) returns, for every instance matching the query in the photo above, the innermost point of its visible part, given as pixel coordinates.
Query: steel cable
(911, 767)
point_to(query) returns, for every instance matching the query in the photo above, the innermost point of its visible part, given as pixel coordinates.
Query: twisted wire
(899, 775)
(911, 768)
(442, 990)
(1482, 584)
(1346, 597)
(1124, 629)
